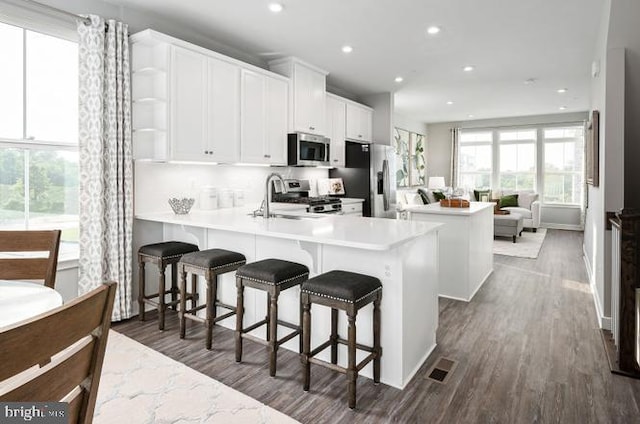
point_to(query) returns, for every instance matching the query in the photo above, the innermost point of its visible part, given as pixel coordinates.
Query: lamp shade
(436, 183)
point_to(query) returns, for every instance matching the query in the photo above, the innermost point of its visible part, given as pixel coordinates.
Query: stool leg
(161, 290)
(273, 330)
(334, 336)
(239, 318)
(306, 344)
(141, 290)
(376, 339)
(194, 291)
(211, 295)
(352, 374)
(300, 347)
(183, 302)
(267, 316)
(174, 285)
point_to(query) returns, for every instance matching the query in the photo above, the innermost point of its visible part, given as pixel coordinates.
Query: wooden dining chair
(28, 267)
(73, 338)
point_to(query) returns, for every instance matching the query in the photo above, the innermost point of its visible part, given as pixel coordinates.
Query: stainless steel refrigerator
(370, 174)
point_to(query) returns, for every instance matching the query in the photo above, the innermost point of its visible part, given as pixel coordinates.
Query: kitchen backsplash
(156, 182)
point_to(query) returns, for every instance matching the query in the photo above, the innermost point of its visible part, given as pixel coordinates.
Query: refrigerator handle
(386, 186)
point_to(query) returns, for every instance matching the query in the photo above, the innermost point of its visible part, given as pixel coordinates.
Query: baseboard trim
(420, 363)
(562, 227)
(603, 321)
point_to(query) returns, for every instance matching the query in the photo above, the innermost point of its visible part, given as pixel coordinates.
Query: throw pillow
(510, 201)
(438, 195)
(413, 199)
(425, 197)
(479, 193)
(526, 199)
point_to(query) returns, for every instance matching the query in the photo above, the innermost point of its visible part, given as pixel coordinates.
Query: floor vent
(441, 370)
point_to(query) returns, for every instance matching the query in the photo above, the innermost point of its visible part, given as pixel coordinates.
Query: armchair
(528, 207)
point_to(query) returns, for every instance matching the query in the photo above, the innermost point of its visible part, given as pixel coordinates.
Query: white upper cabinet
(359, 122)
(307, 95)
(336, 129)
(263, 119)
(192, 104)
(188, 105)
(223, 112)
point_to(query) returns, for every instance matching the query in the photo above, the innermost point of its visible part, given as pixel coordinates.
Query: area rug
(526, 246)
(139, 385)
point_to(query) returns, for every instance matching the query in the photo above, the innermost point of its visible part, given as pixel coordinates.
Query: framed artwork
(593, 149)
(410, 161)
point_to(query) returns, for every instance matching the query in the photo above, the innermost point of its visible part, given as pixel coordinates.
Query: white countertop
(348, 231)
(435, 208)
(349, 200)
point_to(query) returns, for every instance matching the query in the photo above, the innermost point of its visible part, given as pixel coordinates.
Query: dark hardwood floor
(528, 350)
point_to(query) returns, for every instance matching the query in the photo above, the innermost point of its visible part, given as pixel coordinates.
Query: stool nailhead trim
(340, 299)
(271, 283)
(163, 257)
(204, 268)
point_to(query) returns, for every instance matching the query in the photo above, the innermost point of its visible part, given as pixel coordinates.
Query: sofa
(528, 206)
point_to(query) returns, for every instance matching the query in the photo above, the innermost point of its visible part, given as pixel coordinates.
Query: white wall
(382, 105)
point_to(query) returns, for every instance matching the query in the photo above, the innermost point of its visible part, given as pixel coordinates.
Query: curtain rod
(539, 124)
(59, 11)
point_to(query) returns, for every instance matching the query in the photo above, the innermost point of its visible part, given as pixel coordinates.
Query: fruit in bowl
(181, 206)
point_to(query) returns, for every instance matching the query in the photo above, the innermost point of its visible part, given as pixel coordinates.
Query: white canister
(209, 198)
(238, 198)
(225, 199)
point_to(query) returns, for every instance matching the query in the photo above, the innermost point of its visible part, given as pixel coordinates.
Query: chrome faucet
(267, 192)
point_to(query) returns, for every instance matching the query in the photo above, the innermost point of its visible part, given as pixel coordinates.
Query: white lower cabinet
(352, 208)
(263, 119)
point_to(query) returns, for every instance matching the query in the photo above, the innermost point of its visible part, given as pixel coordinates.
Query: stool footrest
(266, 343)
(254, 326)
(328, 365)
(224, 316)
(320, 348)
(358, 345)
(289, 325)
(226, 306)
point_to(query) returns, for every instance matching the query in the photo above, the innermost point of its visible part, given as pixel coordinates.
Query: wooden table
(20, 300)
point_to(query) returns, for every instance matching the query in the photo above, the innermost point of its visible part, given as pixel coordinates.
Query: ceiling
(507, 41)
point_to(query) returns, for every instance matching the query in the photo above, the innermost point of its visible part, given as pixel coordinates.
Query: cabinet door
(276, 121)
(317, 101)
(359, 123)
(188, 105)
(252, 118)
(223, 117)
(336, 123)
(308, 100)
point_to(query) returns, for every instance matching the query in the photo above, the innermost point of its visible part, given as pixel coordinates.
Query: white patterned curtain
(106, 168)
(455, 134)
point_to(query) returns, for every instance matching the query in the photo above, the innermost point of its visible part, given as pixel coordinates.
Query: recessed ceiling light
(433, 30)
(399, 79)
(470, 116)
(347, 49)
(468, 68)
(562, 108)
(562, 90)
(276, 7)
(449, 102)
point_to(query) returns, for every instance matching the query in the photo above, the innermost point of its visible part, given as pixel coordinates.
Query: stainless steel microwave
(308, 150)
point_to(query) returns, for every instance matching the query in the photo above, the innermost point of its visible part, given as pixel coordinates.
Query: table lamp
(436, 183)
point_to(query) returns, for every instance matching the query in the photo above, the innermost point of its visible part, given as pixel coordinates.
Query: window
(547, 159)
(39, 133)
(564, 165)
(475, 159)
(517, 160)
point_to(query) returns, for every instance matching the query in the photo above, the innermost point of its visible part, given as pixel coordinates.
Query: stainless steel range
(298, 192)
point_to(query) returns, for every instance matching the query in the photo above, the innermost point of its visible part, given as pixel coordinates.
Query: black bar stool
(209, 264)
(349, 292)
(162, 254)
(272, 276)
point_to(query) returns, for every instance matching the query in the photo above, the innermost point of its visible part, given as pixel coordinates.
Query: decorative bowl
(181, 206)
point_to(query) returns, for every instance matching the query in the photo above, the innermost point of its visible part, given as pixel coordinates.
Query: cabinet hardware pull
(335, 160)
(312, 128)
(267, 156)
(360, 135)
